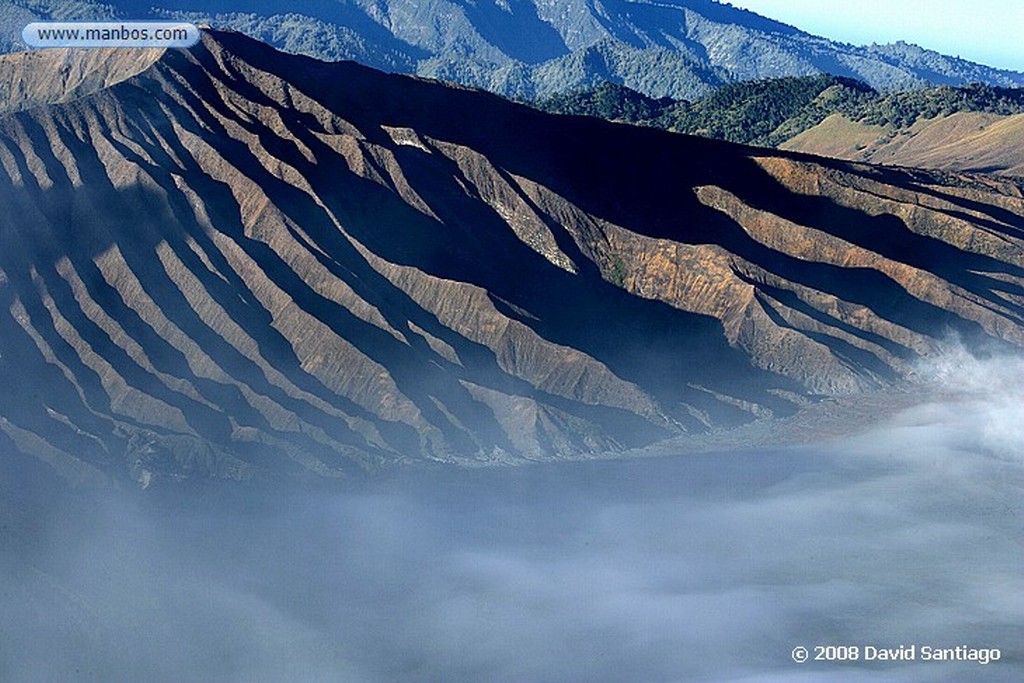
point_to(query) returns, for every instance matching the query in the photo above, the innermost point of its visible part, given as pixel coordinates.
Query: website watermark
(43, 34)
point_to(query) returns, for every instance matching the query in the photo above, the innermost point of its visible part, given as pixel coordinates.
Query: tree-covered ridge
(768, 112)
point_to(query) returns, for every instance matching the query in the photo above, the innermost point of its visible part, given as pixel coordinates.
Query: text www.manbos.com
(110, 34)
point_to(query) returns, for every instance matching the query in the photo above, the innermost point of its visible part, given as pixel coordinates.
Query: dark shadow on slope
(884, 234)
(661, 349)
(52, 235)
(300, 208)
(240, 303)
(930, 182)
(205, 421)
(640, 179)
(503, 137)
(632, 178)
(580, 311)
(472, 244)
(417, 379)
(858, 361)
(230, 292)
(16, 256)
(792, 300)
(32, 388)
(1002, 220)
(478, 363)
(28, 240)
(339, 257)
(146, 217)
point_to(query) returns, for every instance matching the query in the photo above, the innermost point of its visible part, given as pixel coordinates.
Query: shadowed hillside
(238, 262)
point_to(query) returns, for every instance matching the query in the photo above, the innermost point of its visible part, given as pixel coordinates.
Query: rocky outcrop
(237, 262)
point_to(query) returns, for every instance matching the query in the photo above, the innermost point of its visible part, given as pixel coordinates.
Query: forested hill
(748, 112)
(772, 112)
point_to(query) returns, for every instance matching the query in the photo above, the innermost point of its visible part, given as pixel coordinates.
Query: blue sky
(986, 31)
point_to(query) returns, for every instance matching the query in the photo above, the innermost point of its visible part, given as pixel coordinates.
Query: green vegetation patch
(768, 112)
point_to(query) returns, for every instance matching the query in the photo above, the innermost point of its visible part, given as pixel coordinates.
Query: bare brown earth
(235, 262)
(40, 77)
(965, 141)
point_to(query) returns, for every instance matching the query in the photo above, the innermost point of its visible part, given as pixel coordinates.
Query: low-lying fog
(710, 567)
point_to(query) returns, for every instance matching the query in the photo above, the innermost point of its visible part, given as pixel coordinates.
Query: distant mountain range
(534, 48)
(965, 128)
(232, 262)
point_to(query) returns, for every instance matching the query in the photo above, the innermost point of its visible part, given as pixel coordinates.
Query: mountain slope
(29, 79)
(239, 262)
(972, 128)
(965, 141)
(533, 48)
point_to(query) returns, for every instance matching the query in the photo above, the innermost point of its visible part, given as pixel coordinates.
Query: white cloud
(690, 568)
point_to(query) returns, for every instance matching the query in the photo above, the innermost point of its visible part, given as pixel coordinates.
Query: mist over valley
(312, 372)
(694, 567)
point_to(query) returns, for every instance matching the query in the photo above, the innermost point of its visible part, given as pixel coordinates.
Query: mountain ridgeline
(535, 48)
(233, 262)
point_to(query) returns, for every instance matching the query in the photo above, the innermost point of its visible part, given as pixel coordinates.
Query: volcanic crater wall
(237, 263)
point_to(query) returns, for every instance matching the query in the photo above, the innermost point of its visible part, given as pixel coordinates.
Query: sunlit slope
(965, 141)
(29, 79)
(238, 262)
